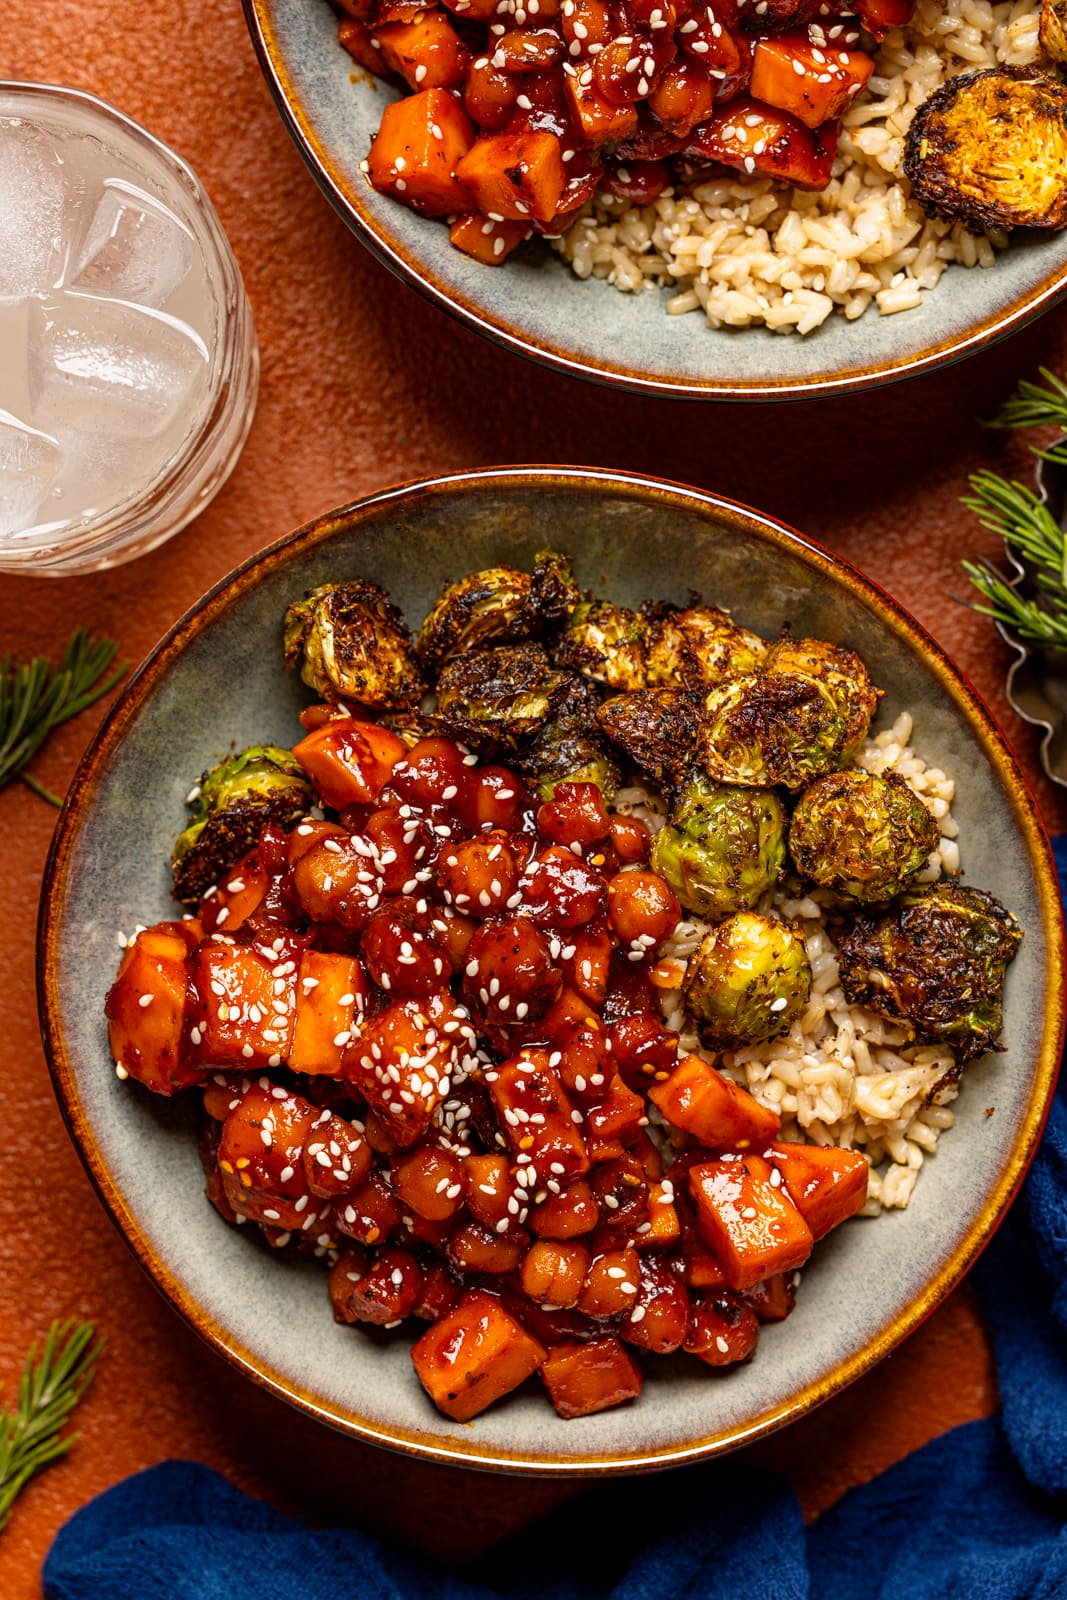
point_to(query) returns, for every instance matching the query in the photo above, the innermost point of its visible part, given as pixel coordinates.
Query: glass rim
(234, 365)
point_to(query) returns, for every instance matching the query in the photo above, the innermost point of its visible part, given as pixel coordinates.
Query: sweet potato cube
(753, 1227)
(756, 137)
(514, 175)
(337, 1158)
(814, 83)
(331, 992)
(146, 1009)
(490, 1186)
(611, 1284)
(567, 1215)
(618, 1117)
(388, 1291)
(421, 140)
(600, 119)
(232, 901)
(400, 1062)
(659, 1317)
(485, 240)
(553, 1273)
(583, 1378)
(371, 1214)
(244, 1007)
(535, 1116)
(430, 46)
(722, 1331)
(772, 1299)
(717, 1112)
(473, 1355)
(358, 40)
(662, 1226)
(429, 1181)
(472, 1247)
(824, 1183)
(259, 1153)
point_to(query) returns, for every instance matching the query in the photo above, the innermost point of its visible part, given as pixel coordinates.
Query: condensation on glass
(128, 358)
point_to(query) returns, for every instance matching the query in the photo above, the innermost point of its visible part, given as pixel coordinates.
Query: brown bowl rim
(743, 520)
(386, 245)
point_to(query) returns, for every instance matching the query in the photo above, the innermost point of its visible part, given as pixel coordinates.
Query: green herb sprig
(51, 1385)
(35, 697)
(1025, 524)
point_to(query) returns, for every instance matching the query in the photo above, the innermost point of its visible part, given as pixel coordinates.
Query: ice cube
(135, 248)
(29, 465)
(106, 367)
(33, 203)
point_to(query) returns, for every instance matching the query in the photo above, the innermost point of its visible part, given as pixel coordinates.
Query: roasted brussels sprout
(496, 699)
(604, 642)
(352, 643)
(498, 605)
(806, 713)
(656, 728)
(1053, 29)
(936, 960)
(722, 847)
(698, 646)
(570, 748)
(748, 980)
(233, 802)
(862, 835)
(991, 148)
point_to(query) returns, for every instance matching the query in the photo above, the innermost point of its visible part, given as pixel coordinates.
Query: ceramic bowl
(536, 306)
(217, 679)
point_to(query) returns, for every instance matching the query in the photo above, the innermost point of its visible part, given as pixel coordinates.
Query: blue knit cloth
(979, 1514)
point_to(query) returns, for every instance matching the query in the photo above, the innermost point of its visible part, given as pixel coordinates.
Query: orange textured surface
(365, 385)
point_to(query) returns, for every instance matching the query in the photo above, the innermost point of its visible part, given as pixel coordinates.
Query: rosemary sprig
(35, 697)
(1034, 406)
(49, 1389)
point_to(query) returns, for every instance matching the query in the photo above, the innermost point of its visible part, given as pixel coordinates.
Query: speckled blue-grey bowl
(535, 305)
(217, 679)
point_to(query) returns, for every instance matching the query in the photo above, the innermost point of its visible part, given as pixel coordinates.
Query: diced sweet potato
(358, 40)
(337, 1158)
(472, 1247)
(553, 1273)
(349, 761)
(825, 1184)
(427, 53)
(388, 1291)
(617, 1118)
(752, 1226)
(260, 1149)
(473, 1355)
(233, 900)
(583, 1378)
(754, 137)
(490, 1191)
(146, 1009)
(535, 1116)
(331, 992)
(600, 120)
(567, 1215)
(420, 142)
(813, 82)
(487, 241)
(880, 17)
(244, 1008)
(371, 1214)
(514, 175)
(722, 1331)
(661, 1227)
(345, 1274)
(440, 1293)
(429, 1181)
(611, 1284)
(400, 1062)
(335, 882)
(771, 1300)
(718, 1113)
(659, 1317)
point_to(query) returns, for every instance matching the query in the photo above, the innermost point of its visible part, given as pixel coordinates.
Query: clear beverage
(128, 361)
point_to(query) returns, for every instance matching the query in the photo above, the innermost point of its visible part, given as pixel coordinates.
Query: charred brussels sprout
(498, 605)
(496, 699)
(861, 835)
(569, 747)
(747, 981)
(656, 728)
(234, 802)
(352, 643)
(698, 646)
(937, 960)
(990, 147)
(605, 643)
(722, 847)
(807, 712)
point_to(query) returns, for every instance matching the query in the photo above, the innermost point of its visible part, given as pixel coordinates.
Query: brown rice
(750, 253)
